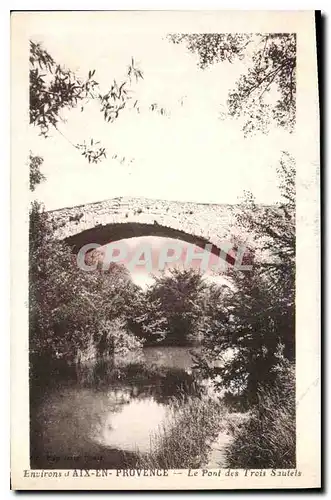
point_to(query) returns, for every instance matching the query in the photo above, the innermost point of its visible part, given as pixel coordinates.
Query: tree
(36, 176)
(177, 296)
(146, 318)
(275, 229)
(255, 321)
(266, 93)
(72, 311)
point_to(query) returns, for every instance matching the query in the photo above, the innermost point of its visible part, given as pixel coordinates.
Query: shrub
(185, 437)
(73, 313)
(177, 299)
(268, 438)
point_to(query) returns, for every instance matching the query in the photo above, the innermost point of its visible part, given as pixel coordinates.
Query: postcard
(165, 250)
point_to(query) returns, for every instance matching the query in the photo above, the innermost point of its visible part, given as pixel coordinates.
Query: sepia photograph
(162, 208)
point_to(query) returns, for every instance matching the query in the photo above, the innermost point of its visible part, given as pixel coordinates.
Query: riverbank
(152, 414)
(184, 438)
(102, 414)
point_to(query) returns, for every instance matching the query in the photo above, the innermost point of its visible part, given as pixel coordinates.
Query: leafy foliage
(268, 438)
(275, 227)
(71, 309)
(36, 177)
(256, 320)
(178, 296)
(88, 151)
(213, 47)
(147, 319)
(271, 71)
(274, 64)
(53, 88)
(170, 310)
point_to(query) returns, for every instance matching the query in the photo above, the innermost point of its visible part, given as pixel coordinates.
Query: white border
(97, 4)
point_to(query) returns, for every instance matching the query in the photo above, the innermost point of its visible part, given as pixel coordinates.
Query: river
(99, 415)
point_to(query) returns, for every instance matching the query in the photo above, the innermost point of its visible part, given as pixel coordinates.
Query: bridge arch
(120, 218)
(102, 235)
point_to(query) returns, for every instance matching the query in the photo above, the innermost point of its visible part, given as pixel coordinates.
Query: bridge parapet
(210, 222)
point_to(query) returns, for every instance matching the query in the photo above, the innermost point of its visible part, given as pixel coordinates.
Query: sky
(192, 154)
(149, 256)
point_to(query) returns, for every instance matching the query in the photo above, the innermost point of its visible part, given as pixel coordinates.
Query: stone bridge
(119, 218)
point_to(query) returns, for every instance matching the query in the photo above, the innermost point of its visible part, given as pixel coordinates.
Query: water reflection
(98, 415)
(171, 357)
(131, 428)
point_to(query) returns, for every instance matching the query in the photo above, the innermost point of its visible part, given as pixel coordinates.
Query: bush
(185, 437)
(268, 438)
(73, 313)
(176, 301)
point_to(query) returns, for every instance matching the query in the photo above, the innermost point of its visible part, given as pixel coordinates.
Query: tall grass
(184, 439)
(268, 438)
